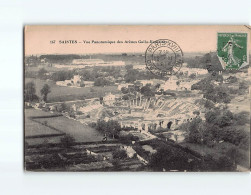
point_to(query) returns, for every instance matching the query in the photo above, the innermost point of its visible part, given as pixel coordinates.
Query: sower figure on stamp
(229, 49)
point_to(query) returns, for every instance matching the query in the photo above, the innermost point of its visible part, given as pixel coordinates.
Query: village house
(139, 67)
(76, 80)
(109, 97)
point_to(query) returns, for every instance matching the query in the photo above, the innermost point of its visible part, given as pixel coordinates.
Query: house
(32, 61)
(109, 97)
(139, 67)
(76, 80)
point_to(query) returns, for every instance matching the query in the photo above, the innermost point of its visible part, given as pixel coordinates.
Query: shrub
(241, 118)
(93, 125)
(128, 138)
(119, 154)
(79, 113)
(224, 163)
(171, 158)
(143, 153)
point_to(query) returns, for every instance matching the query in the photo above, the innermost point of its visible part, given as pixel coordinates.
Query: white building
(76, 80)
(109, 97)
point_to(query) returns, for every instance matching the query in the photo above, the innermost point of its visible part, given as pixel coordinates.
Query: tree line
(30, 92)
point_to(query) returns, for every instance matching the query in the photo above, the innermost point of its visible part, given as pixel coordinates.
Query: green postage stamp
(232, 50)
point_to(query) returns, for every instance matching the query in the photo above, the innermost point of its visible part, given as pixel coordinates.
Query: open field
(34, 129)
(56, 126)
(80, 132)
(62, 93)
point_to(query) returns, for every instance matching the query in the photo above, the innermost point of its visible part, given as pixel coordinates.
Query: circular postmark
(163, 57)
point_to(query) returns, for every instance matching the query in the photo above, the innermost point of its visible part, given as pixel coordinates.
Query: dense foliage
(62, 75)
(45, 91)
(30, 92)
(220, 125)
(110, 128)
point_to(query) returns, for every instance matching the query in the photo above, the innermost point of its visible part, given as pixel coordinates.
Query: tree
(209, 104)
(221, 125)
(171, 158)
(119, 154)
(243, 85)
(82, 84)
(62, 75)
(146, 91)
(192, 76)
(241, 118)
(217, 94)
(111, 127)
(61, 107)
(102, 82)
(45, 91)
(157, 86)
(30, 92)
(41, 73)
(125, 97)
(211, 116)
(124, 90)
(232, 154)
(195, 131)
(225, 164)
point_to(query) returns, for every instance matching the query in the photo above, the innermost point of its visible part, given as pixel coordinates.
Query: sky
(39, 39)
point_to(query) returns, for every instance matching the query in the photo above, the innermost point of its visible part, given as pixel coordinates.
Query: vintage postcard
(137, 98)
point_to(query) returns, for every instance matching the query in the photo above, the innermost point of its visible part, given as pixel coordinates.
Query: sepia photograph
(119, 98)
